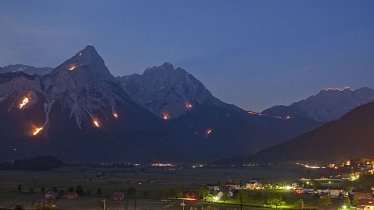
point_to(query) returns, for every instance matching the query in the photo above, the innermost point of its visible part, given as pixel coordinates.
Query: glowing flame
(71, 67)
(115, 115)
(25, 101)
(96, 123)
(36, 131)
(188, 105)
(209, 131)
(165, 116)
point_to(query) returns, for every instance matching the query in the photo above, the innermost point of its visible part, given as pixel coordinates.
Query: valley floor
(25, 187)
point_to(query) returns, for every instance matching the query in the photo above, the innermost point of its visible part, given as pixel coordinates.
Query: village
(344, 185)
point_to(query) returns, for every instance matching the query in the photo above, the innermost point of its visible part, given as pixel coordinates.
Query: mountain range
(329, 104)
(26, 69)
(80, 111)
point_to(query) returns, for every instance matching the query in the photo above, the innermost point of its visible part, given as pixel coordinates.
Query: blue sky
(254, 54)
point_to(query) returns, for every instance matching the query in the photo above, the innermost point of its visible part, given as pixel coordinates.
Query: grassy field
(149, 180)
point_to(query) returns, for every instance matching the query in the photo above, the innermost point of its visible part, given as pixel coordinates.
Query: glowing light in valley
(188, 105)
(115, 115)
(96, 123)
(36, 131)
(165, 116)
(288, 187)
(188, 199)
(71, 67)
(254, 113)
(312, 166)
(162, 165)
(287, 117)
(25, 101)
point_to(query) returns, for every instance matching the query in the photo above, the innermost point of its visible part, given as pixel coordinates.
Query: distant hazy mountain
(352, 136)
(329, 104)
(165, 90)
(26, 69)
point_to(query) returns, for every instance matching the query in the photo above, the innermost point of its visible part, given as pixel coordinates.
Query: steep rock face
(329, 104)
(163, 89)
(84, 85)
(26, 69)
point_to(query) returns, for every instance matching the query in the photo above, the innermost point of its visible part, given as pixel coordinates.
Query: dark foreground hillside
(351, 136)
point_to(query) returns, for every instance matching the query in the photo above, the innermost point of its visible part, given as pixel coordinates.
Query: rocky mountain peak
(163, 68)
(164, 89)
(87, 64)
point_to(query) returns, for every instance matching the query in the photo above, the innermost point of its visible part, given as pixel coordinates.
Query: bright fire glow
(115, 115)
(71, 67)
(209, 131)
(188, 105)
(25, 101)
(165, 116)
(36, 131)
(96, 123)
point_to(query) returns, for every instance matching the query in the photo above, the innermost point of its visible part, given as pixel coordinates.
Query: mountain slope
(351, 136)
(26, 69)
(329, 104)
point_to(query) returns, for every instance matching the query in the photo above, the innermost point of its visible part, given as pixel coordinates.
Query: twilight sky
(254, 54)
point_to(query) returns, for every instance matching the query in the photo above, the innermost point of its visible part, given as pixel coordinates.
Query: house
(299, 191)
(308, 190)
(50, 195)
(233, 186)
(335, 192)
(365, 205)
(254, 184)
(219, 194)
(70, 195)
(212, 187)
(362, 195)
(118, 196)
(323, 192)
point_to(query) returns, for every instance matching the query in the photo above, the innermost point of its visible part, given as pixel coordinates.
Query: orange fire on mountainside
(36, 131)
(96, 123)
(115, 115)
(71, 67)
(25, 101)
(188, 105)
(165, 116)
